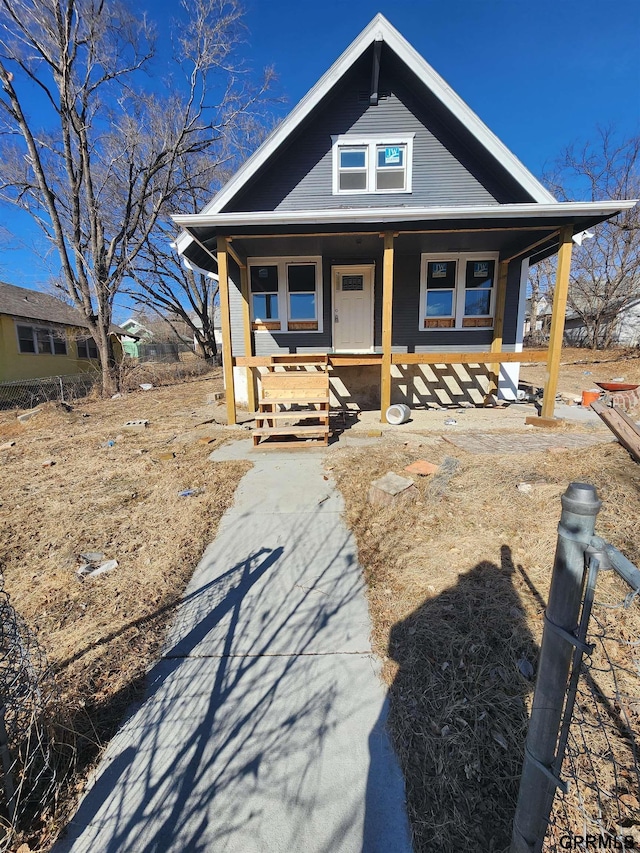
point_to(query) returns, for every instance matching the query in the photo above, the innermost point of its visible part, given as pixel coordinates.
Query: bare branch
(110, 151)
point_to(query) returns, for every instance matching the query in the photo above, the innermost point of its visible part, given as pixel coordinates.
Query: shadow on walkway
(253, 732)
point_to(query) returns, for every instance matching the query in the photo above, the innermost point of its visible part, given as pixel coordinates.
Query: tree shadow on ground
(244, 736)
(458, 709)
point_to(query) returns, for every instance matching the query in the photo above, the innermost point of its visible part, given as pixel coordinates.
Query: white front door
(353, 308)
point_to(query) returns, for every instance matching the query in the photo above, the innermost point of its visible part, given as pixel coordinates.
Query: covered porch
(402, 340)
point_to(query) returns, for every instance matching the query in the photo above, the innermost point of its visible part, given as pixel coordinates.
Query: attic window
(372, 164)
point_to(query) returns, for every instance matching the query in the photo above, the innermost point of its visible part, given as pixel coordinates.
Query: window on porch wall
(264, 296)
(440, 295)
(457, 292)
(285, 294)
(479, 282)
(301, 287)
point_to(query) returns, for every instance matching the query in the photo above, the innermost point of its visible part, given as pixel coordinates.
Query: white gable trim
(381, 30)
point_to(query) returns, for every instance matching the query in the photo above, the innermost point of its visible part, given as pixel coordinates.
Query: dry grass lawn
(458, 583)
(582, 368)
(122, 501)
(457, 586)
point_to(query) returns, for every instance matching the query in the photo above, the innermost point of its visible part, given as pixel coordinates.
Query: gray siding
(407, 336)
(510, 329)
(235, 309)
(446, 169)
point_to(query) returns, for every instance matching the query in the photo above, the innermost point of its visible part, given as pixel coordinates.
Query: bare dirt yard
(457, 588)
(582, 368)
(77, 481)
(458, 582)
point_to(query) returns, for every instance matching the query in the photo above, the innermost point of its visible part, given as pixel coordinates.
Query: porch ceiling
(509, 228)
(358, 245)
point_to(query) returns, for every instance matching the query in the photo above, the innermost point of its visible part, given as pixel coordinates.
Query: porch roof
(522, 224)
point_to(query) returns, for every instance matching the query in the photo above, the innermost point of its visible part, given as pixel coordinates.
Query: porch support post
(387, 321)
(498, 324)
(557, 321)
(225, 316)
(248, 337)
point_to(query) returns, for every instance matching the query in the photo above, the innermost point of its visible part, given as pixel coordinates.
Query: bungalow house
(135, 334)
(382, 233)
(619, 323)
(42, 336)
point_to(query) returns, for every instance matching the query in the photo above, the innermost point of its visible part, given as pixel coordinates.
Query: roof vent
(363, 97)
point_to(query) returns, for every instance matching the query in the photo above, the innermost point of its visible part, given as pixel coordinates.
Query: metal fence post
(580, 506)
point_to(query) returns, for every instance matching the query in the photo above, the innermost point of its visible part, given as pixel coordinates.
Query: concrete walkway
(263, 727)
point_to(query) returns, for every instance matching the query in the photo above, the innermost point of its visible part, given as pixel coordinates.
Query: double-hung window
(302, 300)
(286, 294)
(353, 168)
(264, 296)
(457, 291)
(87, 348)
(375, 164)
(41, 340)
(440, 294)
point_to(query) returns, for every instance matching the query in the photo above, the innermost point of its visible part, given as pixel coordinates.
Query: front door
(353, 308)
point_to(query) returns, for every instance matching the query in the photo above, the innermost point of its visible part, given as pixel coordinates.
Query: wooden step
(292, 416)
(290, 444)
(307, 388)
(301, 365)
(292, 430)
(293, 401)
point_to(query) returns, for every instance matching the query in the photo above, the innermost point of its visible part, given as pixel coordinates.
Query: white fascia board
(195, 268)
(296, 116)
(182, 242)
(403, 214)
(381, 30)
(443, 91)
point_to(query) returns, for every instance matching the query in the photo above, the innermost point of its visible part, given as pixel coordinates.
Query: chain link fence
(33, 761)
(602, 762)
(28, 393)
(580, 783)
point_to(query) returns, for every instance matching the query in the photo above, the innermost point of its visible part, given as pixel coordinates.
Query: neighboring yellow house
(41, 336)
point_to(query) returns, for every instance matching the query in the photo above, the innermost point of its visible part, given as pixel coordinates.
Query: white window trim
(459, 291)
(52, 336)
(283, 294)
(371, 142)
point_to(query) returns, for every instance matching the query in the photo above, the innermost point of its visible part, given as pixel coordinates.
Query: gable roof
(33, 305)
(381, 30)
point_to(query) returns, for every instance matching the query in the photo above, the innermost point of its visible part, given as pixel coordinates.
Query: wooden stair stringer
(295, 395)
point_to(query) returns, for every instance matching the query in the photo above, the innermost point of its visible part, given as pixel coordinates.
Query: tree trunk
(109, 368)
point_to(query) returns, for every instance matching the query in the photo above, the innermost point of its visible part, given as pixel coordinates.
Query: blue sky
(540, 73)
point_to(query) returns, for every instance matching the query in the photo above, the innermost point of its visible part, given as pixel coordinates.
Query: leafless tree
(96, 138)
(605, 270)
(164, 282)
(541, 290)
(179, 294)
